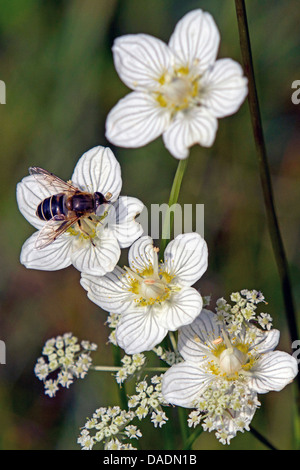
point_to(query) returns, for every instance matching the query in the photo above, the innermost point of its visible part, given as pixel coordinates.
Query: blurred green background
(56, 61)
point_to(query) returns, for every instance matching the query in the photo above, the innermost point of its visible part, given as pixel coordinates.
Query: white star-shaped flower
(179, 90)
(152, 297)
(222, 373)
(95, 245)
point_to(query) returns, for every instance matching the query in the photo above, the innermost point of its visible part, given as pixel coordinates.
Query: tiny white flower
(133, 432)
(152, 297)
(265, 320)
(159, 418)
(222, 372)
(94, 245)
(179, 90)
(85, 440)
(51, 387)
(142, 412)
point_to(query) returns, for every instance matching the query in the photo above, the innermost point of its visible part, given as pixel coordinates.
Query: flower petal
(141, 60)
(195, 40)
(98, 258)
(138, 330)
(273, 371)
(195, 126)
(224, 88)
(141, 254)
(181, 309)
(265, 341)
(107, 291)
(186, 258)
(183, 383)
(121, 220)
(29, 195)
(55, 256)
(98, 170)
(193, 338)
(136, 120)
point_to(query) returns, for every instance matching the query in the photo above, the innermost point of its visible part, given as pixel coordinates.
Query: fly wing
(53, 229)
(51, 181)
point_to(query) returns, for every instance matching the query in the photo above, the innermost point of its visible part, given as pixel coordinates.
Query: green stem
(117, 368)
(165, 238)
(188, 443)
(169, 218)
(262, 438)
(272, 220)
(121, 390)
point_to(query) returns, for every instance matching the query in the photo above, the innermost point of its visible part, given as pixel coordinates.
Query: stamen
(134, 274)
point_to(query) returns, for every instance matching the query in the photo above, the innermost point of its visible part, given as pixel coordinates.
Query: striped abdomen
(51, 206)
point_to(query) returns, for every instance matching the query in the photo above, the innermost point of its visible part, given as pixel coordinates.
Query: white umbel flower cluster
(228, 360)
(67, 359)
(111, 426)
(130, 365)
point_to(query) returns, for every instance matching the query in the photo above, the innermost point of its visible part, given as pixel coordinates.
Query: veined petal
(265, 341)
(194, 126)
(55, 256)
(273, 371)
(186, 258)
(141, 60)
(136, 120)
(107, 291)
(193, 338)
(121, 220)
(98, 258)
(98, 170)
(195, 40)
(29, 195)
(224, 88)
(181, 309)
(183, 383)
(141, 254)
(138, 330)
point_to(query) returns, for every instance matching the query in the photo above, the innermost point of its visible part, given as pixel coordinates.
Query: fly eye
(108, 196)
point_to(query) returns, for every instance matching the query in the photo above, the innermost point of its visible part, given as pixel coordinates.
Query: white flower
(180, 89)
(159, 418)
(132, 432)
(152, 297)
(222, 374)
(95, 246)
(66, 361)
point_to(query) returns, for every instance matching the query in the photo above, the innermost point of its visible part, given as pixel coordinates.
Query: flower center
(86, 228)
(231, 359)
(178, 91)
(151, 285)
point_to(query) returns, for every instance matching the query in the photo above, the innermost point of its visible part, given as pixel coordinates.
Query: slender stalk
(262, 438)
(165, 238)
(121, 390)
(117, 368)
(169, 218)
(272, 220)
(188, 443)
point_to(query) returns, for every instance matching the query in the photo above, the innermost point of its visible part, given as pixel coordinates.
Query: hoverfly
(64, 208)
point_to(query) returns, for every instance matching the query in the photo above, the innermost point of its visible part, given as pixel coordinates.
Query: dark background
(56, 61)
